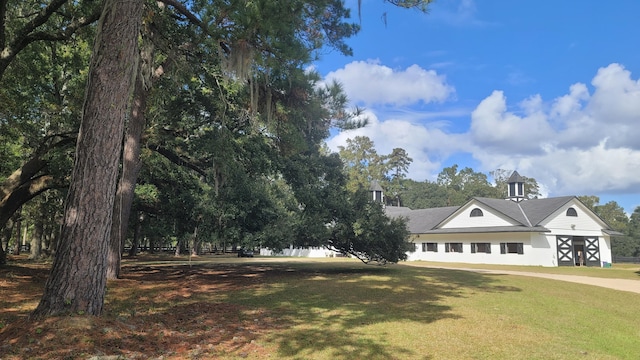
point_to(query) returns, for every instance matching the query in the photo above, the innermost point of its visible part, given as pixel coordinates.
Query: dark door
(565, 250)
(592, 250)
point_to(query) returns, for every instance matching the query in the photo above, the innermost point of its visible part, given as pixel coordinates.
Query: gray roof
(515, 177)
(423, 220)
(528, 215)
(375, 186)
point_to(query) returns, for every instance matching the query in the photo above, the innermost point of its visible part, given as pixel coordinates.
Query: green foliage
(368, 234)
(235, 121)
(629, 245)
(362, 163)
(424, 195)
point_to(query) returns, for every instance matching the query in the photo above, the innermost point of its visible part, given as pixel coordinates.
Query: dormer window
(572, 212)
(476, 212)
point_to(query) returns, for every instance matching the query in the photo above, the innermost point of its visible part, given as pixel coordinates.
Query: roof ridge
(524, 214)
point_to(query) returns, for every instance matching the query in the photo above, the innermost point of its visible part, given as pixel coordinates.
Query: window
(432, 247)
(453, 247)
(572, 212)
(511, 248)
(481, 248)
(476, 212)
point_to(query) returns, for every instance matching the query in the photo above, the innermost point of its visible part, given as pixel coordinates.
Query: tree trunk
(77, 281)
(18, 225)
(5, 238)
(6, 235)
(36, 239)
(130, 169)
(136, 236)
(195, 248)
(178, 247)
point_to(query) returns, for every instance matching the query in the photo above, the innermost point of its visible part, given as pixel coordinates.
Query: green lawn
(347, 310)
(286, 308)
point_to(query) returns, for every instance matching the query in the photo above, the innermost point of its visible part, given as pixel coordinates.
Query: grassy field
(229, 308)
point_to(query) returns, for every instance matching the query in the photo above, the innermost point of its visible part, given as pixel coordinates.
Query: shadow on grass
(338, 310)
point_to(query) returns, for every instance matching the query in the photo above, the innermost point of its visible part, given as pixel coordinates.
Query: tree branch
(28, 34)
(176, 159)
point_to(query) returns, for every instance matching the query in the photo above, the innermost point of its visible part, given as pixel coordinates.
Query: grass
(329, 309)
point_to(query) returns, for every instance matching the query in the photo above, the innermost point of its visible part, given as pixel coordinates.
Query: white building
(558, 231)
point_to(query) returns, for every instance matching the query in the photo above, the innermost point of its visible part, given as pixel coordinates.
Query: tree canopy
(220, 145)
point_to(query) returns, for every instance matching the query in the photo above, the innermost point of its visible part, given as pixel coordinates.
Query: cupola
(376, 192)
(515, 187)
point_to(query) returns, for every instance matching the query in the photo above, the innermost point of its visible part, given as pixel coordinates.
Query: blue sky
(548, 88)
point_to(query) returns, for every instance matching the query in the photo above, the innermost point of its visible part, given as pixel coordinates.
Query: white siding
(605, 249)
(536, 250)
(464, 219)
(585, 224)
(311, 252)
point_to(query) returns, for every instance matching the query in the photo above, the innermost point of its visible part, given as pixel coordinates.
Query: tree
(590, 201)
(362, 163)
(424, 194)
(613, 214)
(463, 185)
(40, 99)
(629, 245)
(398, 164)
(77, 282)
(26, 22)
(368, 234)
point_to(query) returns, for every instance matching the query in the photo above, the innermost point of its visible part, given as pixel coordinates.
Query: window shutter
(488, 248)
(435, 247)
(446, 247)
(473, 248)
(503, 248)
(520, 248)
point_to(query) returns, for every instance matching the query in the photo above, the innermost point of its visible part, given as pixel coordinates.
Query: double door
(578, 250)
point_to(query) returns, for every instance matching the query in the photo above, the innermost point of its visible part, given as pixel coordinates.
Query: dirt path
(616, 284)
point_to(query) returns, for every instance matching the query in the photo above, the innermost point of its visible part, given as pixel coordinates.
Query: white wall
(463, 218)
(585, 224)
(537, 251)
(313, 252)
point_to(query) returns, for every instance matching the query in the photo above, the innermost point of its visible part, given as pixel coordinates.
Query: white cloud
(580, 144)
(495, 128)
(370, 83)
(457, 13)
(585, 142)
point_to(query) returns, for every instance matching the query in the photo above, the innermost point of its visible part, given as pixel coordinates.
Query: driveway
(616, 284)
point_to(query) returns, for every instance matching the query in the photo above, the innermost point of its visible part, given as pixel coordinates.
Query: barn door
(565, 250)
(592, 251)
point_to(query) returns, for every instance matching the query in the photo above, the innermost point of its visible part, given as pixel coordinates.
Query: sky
(548, 88)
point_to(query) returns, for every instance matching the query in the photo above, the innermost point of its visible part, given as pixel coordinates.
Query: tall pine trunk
(77, 281)
(130, 169)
